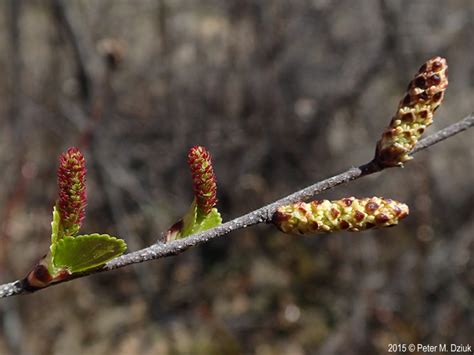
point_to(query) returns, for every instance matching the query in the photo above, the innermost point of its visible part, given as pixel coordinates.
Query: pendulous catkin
(351, 214)
(415, 113)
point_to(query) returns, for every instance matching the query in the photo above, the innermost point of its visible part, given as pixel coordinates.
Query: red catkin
(204, 179)
(72, 190)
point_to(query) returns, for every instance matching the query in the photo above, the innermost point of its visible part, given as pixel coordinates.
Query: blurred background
(283, 94)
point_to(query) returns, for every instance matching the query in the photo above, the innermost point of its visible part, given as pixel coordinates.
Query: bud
(351, 214)
(415, 113)
(113, 50)
(204, 180)
(40, 275)
(72, 190)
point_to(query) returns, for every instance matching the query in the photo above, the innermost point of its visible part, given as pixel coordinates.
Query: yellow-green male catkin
(415, 112)
(351, 214)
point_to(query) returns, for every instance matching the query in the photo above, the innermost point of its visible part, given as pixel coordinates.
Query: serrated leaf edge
(76, 239)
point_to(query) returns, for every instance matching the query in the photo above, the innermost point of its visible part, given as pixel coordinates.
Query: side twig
(261, 215)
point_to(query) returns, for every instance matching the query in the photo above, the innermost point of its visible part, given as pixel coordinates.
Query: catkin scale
(351, 214)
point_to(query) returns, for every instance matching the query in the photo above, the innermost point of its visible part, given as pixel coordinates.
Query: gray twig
(449, 131)
(261, 215)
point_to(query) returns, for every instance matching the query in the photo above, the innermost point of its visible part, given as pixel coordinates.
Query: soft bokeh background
(283, 93)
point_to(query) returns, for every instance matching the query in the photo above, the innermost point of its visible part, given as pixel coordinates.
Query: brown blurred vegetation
(283, 93)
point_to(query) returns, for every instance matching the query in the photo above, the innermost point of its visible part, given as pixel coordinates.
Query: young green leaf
(189, 220)
(85, 252)
(56, 233)
(193, 225)
(213, 219)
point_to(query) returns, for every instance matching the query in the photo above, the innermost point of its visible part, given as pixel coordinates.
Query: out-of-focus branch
(261, 215)
(16, 186)
(81, 54)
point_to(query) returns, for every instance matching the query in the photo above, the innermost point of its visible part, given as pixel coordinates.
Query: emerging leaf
(56, 230)
(189, 220)
(191, 225)
(85, 252)
(213, 219)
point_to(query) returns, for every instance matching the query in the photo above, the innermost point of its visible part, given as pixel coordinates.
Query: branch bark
(261, 215)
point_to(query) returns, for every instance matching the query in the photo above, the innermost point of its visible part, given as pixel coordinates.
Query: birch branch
(259, 216)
